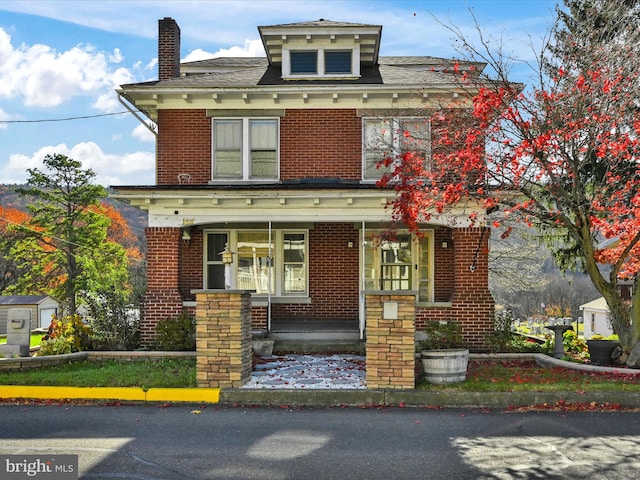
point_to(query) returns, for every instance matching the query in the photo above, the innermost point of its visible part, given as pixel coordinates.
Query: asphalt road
(216, 442)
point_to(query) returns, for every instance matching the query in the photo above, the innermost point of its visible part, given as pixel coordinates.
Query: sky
(60, 62)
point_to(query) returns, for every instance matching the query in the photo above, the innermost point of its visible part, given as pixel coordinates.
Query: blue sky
(62, 59)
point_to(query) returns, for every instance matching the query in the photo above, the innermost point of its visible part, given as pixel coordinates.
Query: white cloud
(251, 48)
(44, 77)
(143, 134)
(135, 168)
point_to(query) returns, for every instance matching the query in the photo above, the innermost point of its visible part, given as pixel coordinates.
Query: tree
(63, 249)
(9, 272)
(561, 156)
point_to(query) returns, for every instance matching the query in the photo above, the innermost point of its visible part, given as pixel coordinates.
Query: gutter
(135, 114)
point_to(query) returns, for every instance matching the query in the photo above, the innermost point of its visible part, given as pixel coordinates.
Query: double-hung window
(245, 149)
(265, 262)
(390, 138)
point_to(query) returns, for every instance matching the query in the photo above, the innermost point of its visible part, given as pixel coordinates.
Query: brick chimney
(168, 48)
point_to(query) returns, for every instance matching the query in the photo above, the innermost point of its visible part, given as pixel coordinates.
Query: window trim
(277, 238)
(321, 66)
(245, 151)
(416, 247)
(395, 123)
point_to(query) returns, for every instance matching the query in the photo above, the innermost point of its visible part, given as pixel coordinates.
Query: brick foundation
(390, 346)
(223, 338)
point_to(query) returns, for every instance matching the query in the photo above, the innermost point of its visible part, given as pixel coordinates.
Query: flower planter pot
(263, 347)
(445, 366)
(600, 351)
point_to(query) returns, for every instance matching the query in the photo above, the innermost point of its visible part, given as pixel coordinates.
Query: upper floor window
(337, 61)
(321, 62)
(390, 138)
(245, 149)
(304, 62)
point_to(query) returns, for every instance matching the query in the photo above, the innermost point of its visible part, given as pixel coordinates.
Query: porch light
(227, 260)
(227, 255)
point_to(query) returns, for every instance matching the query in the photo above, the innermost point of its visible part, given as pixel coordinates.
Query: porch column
(223, 338)
(162, 298)
(472, 302)
(390, 349)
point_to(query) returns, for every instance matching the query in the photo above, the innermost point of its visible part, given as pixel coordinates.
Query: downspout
(135, 114)
(362, 310)
(269, 272)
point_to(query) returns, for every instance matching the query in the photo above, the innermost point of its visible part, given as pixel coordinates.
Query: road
(186, 442)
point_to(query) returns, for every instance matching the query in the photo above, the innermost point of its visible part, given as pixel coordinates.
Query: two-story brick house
(276, 159)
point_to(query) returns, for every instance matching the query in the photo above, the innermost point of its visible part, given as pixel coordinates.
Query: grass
(526, 376)
(36, 339)
(482, 376)
(167, 373)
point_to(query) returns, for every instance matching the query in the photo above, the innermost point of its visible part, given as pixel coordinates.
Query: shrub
(177, 333)
(115, 324)
(65, 335)
(441, 335)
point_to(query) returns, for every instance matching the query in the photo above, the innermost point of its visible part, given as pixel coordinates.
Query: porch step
(318, 346)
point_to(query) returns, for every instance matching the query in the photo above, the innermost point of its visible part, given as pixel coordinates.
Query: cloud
(143, 134)
(135, 168)
(43, 77)
(251, 48)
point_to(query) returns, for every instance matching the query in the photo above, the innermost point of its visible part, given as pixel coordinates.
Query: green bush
(442, 335)
(176, 333)
(66, 335)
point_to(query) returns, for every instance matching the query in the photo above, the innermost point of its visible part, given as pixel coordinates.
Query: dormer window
(304, 62)
(337, 61)
(320, 63)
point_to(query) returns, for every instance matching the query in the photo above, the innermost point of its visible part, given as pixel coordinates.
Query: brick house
(274, 160)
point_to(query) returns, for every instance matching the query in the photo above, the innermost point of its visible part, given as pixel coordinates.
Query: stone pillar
(223, 338)
(390, 348)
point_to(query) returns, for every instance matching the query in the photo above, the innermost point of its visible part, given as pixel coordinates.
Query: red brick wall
(162, 298)
(321, 143)
(183, 146)
(443, 265)
(191, 264)
(333, 276)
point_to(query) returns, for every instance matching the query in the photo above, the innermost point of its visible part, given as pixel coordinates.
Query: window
(390, 138)
(304, 62)
(245, 149)
(401, 263)
(264, 263)
(216, 243)
(337, 61)
(295, 277)
(321, 62)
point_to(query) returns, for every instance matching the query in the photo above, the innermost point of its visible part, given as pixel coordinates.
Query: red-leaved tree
(561, 155)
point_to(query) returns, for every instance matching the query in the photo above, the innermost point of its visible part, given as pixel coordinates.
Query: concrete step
(318, 346)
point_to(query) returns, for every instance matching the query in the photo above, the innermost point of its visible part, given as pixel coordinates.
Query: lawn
(527, 376)
(482, 376)
(36, 339)
(166, 373)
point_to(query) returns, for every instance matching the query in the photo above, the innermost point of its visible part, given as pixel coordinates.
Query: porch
(316, 336)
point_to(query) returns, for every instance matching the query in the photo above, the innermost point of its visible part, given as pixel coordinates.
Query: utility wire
(64, 119)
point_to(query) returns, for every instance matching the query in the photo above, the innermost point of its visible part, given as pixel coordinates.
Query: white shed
(596, 318)
(42, 308)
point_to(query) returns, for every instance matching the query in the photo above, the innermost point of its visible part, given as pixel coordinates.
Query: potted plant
(601, 349)
(443, 354)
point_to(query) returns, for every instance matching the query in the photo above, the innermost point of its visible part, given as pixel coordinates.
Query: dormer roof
(276, 37)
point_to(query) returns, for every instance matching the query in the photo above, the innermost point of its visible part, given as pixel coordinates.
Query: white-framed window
(384, 138)
(245, 149)
(320, 62)
(265, 262)
(404, 262)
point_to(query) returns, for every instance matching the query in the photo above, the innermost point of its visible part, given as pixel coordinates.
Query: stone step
(318, 346)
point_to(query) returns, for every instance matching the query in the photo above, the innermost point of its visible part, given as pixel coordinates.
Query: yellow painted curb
(200, 395)
(204, 395)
